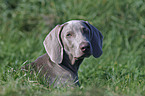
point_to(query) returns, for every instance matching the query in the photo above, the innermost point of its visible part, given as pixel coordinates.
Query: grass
(119, 71)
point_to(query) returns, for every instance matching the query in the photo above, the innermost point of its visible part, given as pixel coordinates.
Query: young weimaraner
(66, 46)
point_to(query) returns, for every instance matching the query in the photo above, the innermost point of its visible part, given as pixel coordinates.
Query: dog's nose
(85, 47)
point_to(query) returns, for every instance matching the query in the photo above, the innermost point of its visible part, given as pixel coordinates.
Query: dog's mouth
(82, 56)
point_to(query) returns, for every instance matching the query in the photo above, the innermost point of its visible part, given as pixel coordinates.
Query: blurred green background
(119, 71)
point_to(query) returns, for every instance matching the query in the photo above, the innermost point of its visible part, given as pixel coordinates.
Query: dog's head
(76, 37)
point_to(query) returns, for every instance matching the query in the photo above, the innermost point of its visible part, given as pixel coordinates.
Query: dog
(66, 47)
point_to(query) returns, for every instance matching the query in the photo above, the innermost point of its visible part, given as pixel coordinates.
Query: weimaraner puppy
(66, 46)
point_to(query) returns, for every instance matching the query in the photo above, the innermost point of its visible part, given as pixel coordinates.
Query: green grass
(119, 71)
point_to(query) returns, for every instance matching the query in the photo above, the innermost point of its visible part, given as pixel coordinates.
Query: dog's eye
(69, 35)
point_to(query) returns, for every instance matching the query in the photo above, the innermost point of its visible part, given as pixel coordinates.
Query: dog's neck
(71, 63)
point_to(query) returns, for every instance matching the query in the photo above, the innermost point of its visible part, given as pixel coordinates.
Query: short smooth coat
(66, 47)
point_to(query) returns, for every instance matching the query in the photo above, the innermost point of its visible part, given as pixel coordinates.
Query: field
(120, 71)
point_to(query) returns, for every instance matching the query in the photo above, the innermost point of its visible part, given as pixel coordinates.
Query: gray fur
(66, 46)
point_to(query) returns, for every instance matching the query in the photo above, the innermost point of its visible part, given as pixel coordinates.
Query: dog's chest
(60, 77)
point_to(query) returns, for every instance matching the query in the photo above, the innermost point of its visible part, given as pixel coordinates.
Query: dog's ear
(96, 40)
(53, 45)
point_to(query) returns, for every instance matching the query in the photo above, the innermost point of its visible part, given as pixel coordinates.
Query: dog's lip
(78, 58)
(82, 57)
